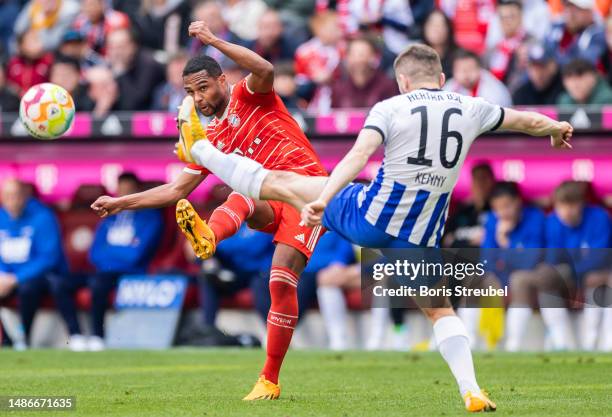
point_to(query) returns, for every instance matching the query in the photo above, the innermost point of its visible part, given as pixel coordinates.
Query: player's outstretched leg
(454, 346)
(251, 179)
(224, 222)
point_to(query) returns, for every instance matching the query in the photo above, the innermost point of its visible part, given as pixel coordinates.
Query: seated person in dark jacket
(135, 70)
(66, 72)
(543, 85)
(272, 43)
(363, 83)
(123, 244)
(31, 255)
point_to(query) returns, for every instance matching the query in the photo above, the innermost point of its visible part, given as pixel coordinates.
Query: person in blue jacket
(123, 244)
(514, 236)
(31, 253)
(578, 236)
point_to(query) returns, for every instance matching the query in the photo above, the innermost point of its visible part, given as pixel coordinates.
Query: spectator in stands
(511, 226)
(9, 10)
(243, 16)
(242, 261)
(608, 58)
(96, 20)
(286, 87)
(543, 85)
(392, 18)
(471, 79)
(9, 100)
(584, 85)
(465, 227)
(31, 65)
(271, 43)
(66, 73)
(31, 252)
(536, 20)
(169, 95)
(75, 46)
(576, 228)
(210, 11)
(49, 18)
(103, 91)
(334, 266)
(317, 62)
(363, 83)
(470, 21)
(578, 34)
(439, 34)
(123, 244)
(135, 70)
(163, 24)
(507, 59)
(295, 15)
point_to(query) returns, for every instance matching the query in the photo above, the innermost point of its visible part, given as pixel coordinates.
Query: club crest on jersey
(233, 119)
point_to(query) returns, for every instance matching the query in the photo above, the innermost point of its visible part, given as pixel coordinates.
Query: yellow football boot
(197, 232)
(476, 402)
(263, 390)
(190, 129)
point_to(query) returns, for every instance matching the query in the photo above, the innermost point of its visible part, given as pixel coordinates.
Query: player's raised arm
(157, 197)
(537, 124)
(347, 170)
(261, 78)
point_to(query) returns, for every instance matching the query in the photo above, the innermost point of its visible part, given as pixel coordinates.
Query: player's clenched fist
(312, 213)
(561, 138)
(201, 31)
(106, 206)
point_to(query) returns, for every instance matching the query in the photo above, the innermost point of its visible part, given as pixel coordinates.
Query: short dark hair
(505, 189)
(365, 38)
(571, 192)
(68, 60)
(483, 166)
(131, 177)
(466, 54)
(578, 66)
(517, 3)
(202, 63)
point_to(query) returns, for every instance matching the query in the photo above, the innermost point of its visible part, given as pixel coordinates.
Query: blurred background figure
(272, 43)
(439, 34)
(31, 254)
(123, 244)
(9, 10)
(580, 231)
(162, 24)
(75, 46)
(9, 99)
(507, 59)
(470, 78)
(66, 72)
(31, 64)
(96, 20)
(513, 225)
(135, 70)
(363, 83)
(543, 84)
(168, 96)
(535, 20)
(465, 227)
(243, 16)
(579, 34)
(286, 87)
(48, 18)
(102, 90)
(317, 62)
(583, 84)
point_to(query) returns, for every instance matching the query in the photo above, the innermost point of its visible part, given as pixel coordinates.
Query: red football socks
(226, 220)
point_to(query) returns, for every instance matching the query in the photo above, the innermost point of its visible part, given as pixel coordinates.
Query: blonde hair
(418, 62)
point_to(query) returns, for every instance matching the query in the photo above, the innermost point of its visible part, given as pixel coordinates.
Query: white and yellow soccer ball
(47, 111)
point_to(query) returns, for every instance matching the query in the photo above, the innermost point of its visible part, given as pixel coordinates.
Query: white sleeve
(489, 116)
(379, 119)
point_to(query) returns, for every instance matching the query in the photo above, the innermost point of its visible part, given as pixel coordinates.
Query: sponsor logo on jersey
(233, 120)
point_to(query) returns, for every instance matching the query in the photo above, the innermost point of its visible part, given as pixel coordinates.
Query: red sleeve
(195, 169)
(242, 93)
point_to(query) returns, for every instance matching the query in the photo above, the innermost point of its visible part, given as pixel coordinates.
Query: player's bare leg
(453, 344)
(287, 265)
(251, 179)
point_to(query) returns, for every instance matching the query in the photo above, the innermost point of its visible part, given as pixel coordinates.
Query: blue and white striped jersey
(426, 134)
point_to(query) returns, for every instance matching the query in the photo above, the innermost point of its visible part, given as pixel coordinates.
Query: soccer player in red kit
(249, 119)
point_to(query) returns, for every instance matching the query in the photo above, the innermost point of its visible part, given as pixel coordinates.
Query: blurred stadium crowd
(328, 54)
(129, 56)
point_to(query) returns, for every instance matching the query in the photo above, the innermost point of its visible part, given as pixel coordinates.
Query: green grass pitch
(190, 382)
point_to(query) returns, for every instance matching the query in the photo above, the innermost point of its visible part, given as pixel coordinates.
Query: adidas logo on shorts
(300, 238)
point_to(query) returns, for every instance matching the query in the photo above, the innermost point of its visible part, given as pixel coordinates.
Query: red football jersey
(258, 126)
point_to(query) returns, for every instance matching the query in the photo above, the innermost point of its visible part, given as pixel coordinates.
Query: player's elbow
(267, 70)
